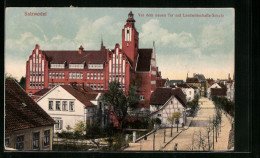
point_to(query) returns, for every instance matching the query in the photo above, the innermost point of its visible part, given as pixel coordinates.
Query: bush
(225, 104)
(137, 124)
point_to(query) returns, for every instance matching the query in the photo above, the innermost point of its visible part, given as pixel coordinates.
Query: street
(190, 138)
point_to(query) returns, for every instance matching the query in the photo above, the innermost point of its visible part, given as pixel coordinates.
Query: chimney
(80, 49)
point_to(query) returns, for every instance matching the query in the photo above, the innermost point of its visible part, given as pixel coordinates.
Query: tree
(9, 77)
(119, 101)
(22, 82)
(80, 128)
(175, 117)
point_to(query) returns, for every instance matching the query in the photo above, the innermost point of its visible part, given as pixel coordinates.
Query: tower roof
(130, 17)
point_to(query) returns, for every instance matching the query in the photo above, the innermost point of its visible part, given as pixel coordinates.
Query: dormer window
(57, 66)
(76, 66)
(95, 66)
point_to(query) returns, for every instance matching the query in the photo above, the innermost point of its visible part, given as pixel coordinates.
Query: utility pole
(213, 136)
(154, 140)
(164, 135)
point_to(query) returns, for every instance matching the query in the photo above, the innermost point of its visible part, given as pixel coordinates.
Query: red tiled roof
(144, 59)
(161, 95)
(19, 116)
(194, 87)
(192, 80)
(210, 82)
(218, 91)
(73, 57)
(160, 83)
(42, 92)
(183, 85)
(83, 95)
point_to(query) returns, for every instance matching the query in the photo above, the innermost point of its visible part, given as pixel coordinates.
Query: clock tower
(130, 39)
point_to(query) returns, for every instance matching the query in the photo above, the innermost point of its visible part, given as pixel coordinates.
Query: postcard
(119, 79)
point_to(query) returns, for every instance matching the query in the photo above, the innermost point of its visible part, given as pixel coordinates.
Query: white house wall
(215, 85)
(173, 105)
(189, 92)
(69, 117)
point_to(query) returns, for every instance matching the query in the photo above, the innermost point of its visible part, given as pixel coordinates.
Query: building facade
(27, 125)
(69, 105)
(96, 69)
(166, 101)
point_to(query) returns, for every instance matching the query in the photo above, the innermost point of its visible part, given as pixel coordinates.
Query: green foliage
(94, 130)
(80, 128)
(225, 104)
(137, 124)
(194, 104)
(116, 98)
(116, 142)
(22, 82)
(68, 128)
(119, 100)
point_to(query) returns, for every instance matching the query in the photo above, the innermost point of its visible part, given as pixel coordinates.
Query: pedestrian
(175, 146)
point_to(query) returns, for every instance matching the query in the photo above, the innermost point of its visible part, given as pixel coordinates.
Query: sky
(183, 44)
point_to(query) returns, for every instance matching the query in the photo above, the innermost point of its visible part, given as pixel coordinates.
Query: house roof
(218, 91)
(21, 111)
(73, 57)
(83, 95)
(42, 92)
(161, 95)
(199, 76)
(192, 80)
(194, 87)
(160, 83)
(183, 85)
(144, 59)
(171, 82)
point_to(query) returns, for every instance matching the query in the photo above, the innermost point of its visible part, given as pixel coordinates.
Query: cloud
(25, 41)
(153, 31)
(89, 32)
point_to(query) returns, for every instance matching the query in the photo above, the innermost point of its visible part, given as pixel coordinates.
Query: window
(72, 106)
(95, 66)
(95, 76)
(91, 76)
(76, 66)
(57, 66)
(171, 102)
(141, 97)
(7, 143)
(46, 138)
(58, 125)
(50, 105)
(57, 75)
(64, 106)
(101, 76)
(57, 105)
(98, 76)
(101, 86)
(50, 75)
(49, 86)
(63, 75)
(19, 142)
(36, 140)
(87, 75)
(159, 115)
(95, 86)
(60, 75)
